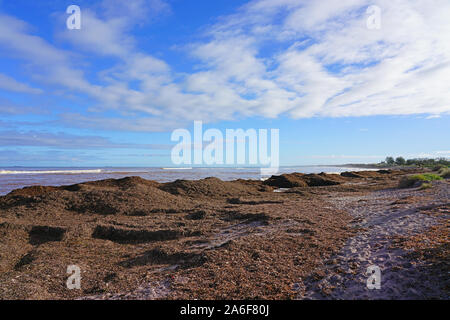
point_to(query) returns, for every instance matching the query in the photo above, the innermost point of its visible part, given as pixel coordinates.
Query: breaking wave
(50, 171)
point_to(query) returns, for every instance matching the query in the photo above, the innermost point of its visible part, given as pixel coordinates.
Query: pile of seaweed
(293, 180)
(212, 188)
(129, 196)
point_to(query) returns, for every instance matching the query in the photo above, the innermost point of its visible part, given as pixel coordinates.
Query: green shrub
(390, 161)
(400, 161)
(444, 173)
(426, 177)
(421, 162)
(425, 185)
(411, 181)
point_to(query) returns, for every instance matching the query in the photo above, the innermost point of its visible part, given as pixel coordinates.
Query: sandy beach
(211, 239)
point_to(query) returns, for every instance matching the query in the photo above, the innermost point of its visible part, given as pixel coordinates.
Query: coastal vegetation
(444, 172)
(419, 179)
(416, 162)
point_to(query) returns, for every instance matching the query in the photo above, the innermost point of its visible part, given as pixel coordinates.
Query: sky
(348, 81)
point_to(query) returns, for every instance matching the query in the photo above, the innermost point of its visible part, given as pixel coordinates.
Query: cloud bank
(271, 58)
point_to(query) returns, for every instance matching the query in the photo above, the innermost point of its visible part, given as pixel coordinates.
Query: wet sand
(210, 239)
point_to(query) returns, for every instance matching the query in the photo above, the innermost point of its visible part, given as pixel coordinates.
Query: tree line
(422, 162)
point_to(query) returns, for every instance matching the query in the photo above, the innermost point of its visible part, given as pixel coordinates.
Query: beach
(292, 236)
(18, 177)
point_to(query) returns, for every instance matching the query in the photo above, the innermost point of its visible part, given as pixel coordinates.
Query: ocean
(18, 177)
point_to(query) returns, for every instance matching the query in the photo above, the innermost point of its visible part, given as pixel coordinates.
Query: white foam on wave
(50, 171)
(176, 168)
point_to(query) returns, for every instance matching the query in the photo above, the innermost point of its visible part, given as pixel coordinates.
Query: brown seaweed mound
(33, 191)
(124, 183)
(349, 174)
(129, 196)
(127, 235)
(290, 180)
(315, 180)
(293, 180)
(211, 188)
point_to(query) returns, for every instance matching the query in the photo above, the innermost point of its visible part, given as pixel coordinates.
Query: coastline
(15, 177)
(212, 239)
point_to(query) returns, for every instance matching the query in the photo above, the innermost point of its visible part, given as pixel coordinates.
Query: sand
(386, 216)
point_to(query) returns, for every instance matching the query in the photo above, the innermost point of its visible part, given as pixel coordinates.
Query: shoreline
(14, 179)
(212, 239)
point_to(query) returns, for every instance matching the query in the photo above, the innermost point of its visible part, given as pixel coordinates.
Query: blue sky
(111, 93)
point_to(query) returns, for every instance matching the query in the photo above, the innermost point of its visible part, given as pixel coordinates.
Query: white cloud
(67, 141)
(271, 57)
(401, 69)
(46, 63)
(10, 107)
(99, 36)
(10, 84)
